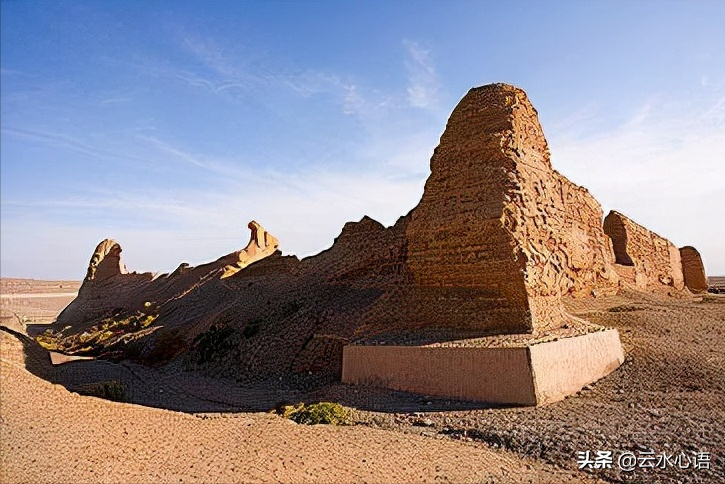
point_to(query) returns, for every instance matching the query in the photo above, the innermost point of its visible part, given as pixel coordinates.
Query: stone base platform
(532, 374)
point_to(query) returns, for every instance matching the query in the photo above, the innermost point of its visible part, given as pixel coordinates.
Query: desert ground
(33, 301)
(666, 398)
(50, 434)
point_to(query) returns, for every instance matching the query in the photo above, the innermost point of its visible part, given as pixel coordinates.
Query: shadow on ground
(188, 391)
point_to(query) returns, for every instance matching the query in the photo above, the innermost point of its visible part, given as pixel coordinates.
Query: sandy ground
(666, 398)
(49, 434)
(32, 286)
(52, 435)
(34, 301)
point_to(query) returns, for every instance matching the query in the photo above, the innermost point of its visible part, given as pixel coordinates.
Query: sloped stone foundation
(529, 375)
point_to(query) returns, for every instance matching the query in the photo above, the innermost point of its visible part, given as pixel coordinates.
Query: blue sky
(169, 125)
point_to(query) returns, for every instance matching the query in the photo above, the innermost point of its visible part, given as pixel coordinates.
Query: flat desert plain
(33, 301)
(665, 399)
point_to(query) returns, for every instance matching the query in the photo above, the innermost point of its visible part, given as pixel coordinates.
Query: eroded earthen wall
(496, 218)
(105, 261)
(693, 270)
(109, 288)
(644, 259)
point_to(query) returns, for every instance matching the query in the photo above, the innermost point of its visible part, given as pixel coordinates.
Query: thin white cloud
(423, 84)
(663, 167)
(577, 123)
(239, 70)
(114, 101)
(106, 151)
(353, 102)
(211, 55)
(177, 154)
(306, 212)
(59, 140)
(4, 71)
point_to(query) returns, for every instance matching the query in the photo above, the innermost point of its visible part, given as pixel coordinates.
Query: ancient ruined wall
(643, 258)
(497, 218)
(497, 240)
(109, 288)
(105, 261)
(556, 224)
(584, 252)
(364, 254)
(693, 269)
(261, 244)
(456, 237)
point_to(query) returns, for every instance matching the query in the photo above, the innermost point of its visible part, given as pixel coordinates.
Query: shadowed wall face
(693, 270)
(105, 261)
(614, 228)
(655, 261)
(498, 238)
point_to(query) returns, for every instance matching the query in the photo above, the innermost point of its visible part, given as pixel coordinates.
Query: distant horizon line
(3, 278)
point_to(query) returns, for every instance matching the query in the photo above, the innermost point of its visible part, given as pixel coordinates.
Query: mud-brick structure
(110, 288)
(498, 221)
(693, 270)
(643, 258)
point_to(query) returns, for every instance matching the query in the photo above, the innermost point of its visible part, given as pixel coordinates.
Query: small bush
(110, 390)
(317, 413)
(252, 328)
(214, 344)
(103, 334)
(50, 340)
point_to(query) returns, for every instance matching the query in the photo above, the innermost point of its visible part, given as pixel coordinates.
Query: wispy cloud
(100, 151)
(305, 211)
(114, 101)
(178, 154)
(4, 71)
(58, 140)
(657, 167)
(423, 84)
(353, 102)
(234, 73)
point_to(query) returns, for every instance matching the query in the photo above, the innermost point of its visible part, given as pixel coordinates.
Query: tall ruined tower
(497, 222)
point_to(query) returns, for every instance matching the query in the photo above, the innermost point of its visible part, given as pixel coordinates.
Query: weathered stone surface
(105, 261)
(261, 244)
(321, 354)
(693, 270)
(109, 288)
(497, 220)
(643, 258)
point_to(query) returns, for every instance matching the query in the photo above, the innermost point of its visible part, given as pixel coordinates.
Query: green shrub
(103, 334)
(317, 413)
(110, 390)
(50, 340)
